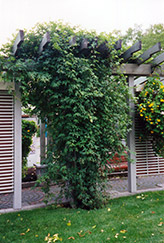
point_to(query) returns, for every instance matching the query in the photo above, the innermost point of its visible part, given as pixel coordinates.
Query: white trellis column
(17, 202)
(131, 142)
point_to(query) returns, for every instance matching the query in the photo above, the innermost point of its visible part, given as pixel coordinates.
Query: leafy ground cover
(138, 218)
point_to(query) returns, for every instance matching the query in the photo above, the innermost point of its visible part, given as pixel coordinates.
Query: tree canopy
(149, 37)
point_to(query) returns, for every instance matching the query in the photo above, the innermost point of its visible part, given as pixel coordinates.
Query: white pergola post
(131, 142)
(17, 202)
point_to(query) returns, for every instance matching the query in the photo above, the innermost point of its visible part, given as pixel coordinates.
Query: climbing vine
(84, 105)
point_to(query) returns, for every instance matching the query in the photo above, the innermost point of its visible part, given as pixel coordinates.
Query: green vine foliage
(29, 128)
(84, 105)
(151, 112)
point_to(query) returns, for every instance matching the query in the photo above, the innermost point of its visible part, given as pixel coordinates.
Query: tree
(149, 37)
(84, 106)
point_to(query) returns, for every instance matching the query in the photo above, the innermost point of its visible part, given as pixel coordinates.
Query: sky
(99, 15)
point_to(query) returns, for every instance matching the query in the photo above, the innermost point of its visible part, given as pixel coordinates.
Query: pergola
(132, 68)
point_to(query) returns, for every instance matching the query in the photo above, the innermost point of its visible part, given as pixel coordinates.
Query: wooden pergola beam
(44, 42)
(72, 41)
(148, 53)
(134, 69)
(128, 54)
(118, 44)
(18, 41)
(84, 44)
(139, 70)
(158, 60)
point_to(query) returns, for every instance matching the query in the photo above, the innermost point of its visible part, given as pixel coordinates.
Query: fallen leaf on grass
(140, 197)
(69, 223)
(160, 224)
(22, 233)
(116, 235)
(82, 235)
(94, 226)
(71, 238)
(109, 209)
(123, 231)
(54, 238)
(152, 212)
(27, 230)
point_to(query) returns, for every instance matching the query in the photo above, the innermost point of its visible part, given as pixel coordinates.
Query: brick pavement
(116, 187)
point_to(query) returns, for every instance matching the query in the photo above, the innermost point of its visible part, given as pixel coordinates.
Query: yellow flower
(151, 123)
(162, 100)
(151, 104)
(146, 93)
(28, 130)
(158, 120)
(141, 114)
(152, 131)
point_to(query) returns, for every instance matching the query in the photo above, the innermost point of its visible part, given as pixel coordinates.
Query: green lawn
(138, 218)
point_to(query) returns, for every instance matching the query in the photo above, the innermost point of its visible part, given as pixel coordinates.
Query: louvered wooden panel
(6, 142)
(147, 163)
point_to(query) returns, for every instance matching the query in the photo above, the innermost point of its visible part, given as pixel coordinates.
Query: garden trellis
(131, 67)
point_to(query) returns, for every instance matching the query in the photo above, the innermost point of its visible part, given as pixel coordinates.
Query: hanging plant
(151, 111)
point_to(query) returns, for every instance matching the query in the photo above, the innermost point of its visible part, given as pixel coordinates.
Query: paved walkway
(117, 187)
